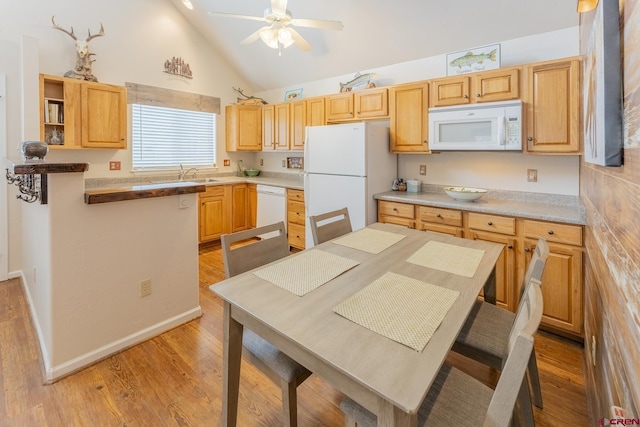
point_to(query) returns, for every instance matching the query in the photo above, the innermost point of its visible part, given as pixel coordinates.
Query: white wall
(556, 174)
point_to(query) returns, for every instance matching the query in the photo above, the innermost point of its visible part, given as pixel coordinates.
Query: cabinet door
(505, 267)
(253, 205)
(339, 107)
(315, 111)
(298, 122)
(282, 127)
(553, 106)
(243, 127)
(561, 286)
(104, 116)
(268, 128)
(409, 107)
(372, 103)
(499, 85)
(239, 207)
(450, 91)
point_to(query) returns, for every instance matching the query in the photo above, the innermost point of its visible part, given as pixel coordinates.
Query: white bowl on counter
(465, 194)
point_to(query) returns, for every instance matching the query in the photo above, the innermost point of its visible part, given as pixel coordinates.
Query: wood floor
(175, 379)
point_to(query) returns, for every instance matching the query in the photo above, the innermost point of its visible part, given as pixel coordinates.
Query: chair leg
(289, 403)
(523, 412)
(534, 380)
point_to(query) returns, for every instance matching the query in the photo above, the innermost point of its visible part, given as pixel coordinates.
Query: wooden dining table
(388, 378)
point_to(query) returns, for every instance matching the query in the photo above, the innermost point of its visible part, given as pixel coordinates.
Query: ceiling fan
(278, 34)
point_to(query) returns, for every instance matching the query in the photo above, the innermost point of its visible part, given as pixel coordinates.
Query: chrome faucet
(183, 173)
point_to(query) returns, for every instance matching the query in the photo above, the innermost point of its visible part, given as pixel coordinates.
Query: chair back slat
(330, 225)
(252, 254)
(510, 385)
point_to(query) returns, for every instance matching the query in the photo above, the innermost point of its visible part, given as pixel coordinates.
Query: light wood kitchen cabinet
(396, 213)
(243, 127)
(408, 118)
(281, 128)
(239, 207)
(298, 122)
(552, 106)
(339, 106)
(440, 220)
(487, 86)
(562, 279)
(372, 103)
(268, 127)
(78, 114)
(315, 111)
(253, 205)
(214, 216)
(296, 221)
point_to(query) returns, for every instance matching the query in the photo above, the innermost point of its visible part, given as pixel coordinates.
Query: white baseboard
(54, 373)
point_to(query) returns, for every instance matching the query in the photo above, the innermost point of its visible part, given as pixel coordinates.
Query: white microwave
(494, 126)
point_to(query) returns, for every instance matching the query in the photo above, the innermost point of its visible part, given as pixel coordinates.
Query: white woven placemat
(370, 240)
(400, 308)
(305, 272)
(450, 258)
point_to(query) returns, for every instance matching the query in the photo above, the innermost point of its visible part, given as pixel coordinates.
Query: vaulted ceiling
(376, 33)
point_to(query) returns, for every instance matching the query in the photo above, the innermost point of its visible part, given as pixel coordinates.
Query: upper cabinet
(243, 127)
(315, 110)
(78, 114)
(283, 126)
(297, 124)
(408, 118)
(552, 106)
(364, 104)
(487, 86)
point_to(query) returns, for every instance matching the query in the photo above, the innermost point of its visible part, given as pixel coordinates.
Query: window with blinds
(164, 137)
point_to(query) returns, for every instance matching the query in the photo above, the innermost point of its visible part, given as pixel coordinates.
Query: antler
(57, 27)
(101, 33)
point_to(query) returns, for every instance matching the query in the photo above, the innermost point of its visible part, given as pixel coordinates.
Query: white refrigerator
(345, 165)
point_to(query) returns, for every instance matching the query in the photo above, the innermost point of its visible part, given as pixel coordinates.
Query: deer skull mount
(83, 56)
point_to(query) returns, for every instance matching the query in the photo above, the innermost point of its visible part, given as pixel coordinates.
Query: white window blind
(164, 137)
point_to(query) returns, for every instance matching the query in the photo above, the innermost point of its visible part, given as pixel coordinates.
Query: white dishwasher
(272, 206)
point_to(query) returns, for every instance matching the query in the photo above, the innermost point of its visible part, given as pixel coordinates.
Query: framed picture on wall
(602, 87)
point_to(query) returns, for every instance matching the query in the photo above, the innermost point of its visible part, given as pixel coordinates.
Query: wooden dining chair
(244, 251)
(485, 335)
(325, 226)
(458, 399)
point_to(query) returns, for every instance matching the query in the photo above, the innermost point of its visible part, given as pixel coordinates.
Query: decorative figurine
(83, 56)
(34, 149)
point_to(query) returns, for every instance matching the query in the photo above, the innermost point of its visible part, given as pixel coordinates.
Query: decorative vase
(34, 149)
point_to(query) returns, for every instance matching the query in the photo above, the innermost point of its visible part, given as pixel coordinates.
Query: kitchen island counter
(564, 209)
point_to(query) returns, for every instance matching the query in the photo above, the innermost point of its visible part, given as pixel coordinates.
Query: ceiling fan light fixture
(270, 37)
(285, 37)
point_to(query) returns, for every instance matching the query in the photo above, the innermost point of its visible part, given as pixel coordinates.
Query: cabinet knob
(509, 246)
(490, 223)
(550, 232)
(424, 142)
(477, 95)
(527, 249)
(439, 216)
(466, 96)
(530, 138)
(395, 209)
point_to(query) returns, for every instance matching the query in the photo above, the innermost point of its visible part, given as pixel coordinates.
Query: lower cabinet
(296, 221)
(214, 216)
(225, 209)
(253, 205)
(562, 282)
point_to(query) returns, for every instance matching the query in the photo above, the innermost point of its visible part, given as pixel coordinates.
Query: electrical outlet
(423, 169)
(114, 166)
(261, 162)
(532, 175)
(226, 162)
(183, 201)
(284, 163)
(145, 288)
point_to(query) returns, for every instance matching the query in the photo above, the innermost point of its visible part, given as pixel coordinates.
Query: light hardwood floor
(175, 379)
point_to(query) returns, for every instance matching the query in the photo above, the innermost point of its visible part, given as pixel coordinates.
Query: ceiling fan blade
(297, 38)
(279, 7)
(254, 36)
(318, 23)
(233, 15)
